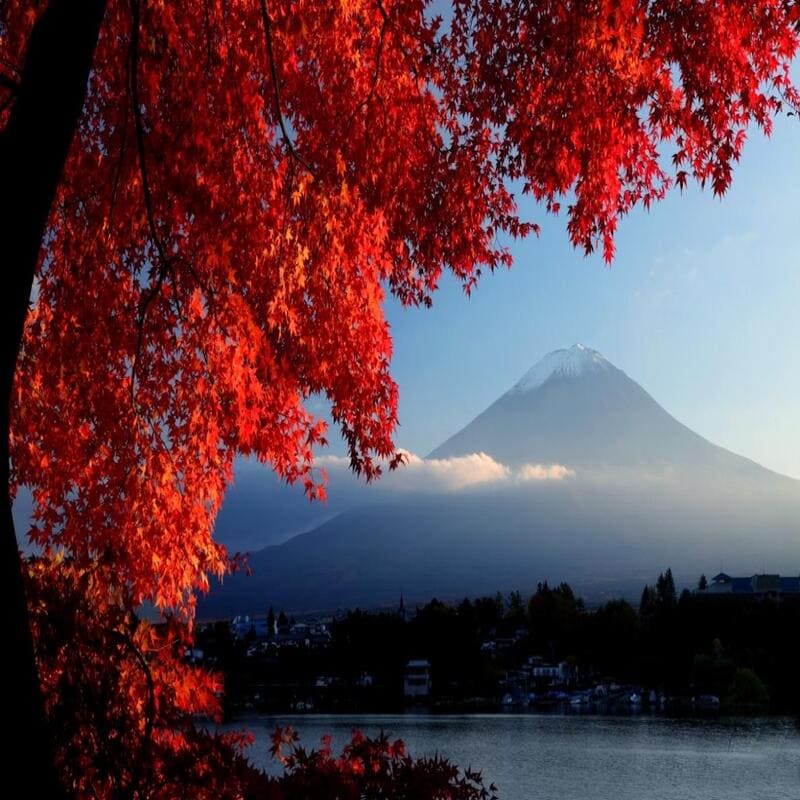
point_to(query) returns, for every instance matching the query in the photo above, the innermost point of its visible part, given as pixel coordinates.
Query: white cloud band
(544, 472)
(455, 473)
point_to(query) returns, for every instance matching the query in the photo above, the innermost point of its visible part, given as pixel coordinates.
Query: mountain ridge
(572, 361)
(644, 492)
(610, 422)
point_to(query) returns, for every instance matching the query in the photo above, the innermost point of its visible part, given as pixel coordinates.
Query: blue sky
(701, 306)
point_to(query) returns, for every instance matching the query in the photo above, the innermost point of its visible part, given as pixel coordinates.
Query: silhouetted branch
(165, 265)
(376, 75)
(150, 708)
(277, 95)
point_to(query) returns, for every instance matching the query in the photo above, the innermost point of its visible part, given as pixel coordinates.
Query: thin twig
(277, 94)
(207, 15)
(165, 266)
(387, 18)
(235, 84)
(124, 141)
(365, 103)
(150, 709)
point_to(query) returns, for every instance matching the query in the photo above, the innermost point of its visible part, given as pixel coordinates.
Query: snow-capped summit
(643, 491)
(573, 362)
(577, 409)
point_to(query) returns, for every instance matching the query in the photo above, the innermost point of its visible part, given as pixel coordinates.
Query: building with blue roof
(763, 585)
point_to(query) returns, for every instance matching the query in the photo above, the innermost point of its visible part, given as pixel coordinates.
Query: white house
(417, 678)
(548, 673)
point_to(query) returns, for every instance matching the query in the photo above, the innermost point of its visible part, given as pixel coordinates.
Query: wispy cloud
(448, 474)
(454, 474)
(544, 472)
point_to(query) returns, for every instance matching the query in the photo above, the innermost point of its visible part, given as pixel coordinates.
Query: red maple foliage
(367, 767)
(123, 702)
(246, 182)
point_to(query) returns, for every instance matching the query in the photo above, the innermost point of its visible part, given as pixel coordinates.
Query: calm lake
(550, 757)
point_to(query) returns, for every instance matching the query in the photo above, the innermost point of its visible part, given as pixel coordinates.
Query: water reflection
(547, 757)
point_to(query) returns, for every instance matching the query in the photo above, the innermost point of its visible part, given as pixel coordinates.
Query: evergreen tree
(670, 595)
(465, 608)
(487, 613)
(665, 590)
(702, 584)
(647, 603)
(516, 609)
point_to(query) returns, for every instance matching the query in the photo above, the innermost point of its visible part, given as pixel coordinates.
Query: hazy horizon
(576, 473)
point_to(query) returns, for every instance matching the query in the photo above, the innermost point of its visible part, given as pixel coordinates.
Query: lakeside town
(729, 645)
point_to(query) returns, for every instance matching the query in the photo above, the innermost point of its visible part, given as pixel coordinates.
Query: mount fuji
(576, 408)
(637, 491)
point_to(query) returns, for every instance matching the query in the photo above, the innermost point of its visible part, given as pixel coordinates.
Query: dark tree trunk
(33, 148)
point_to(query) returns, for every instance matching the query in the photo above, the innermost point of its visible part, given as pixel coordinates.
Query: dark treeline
(744, 650)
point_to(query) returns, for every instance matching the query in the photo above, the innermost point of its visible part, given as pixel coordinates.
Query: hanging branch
(365, 103)
(165, 265)
(277, 94)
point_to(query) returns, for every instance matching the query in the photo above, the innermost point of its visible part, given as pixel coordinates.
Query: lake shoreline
(539, 756)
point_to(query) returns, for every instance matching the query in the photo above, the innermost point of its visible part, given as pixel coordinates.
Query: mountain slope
(576, 408)
(596, 536)
(645, 492)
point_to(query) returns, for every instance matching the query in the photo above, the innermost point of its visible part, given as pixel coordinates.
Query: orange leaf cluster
(587, 99)
(122, 700)
(368, 767)
(251, 177)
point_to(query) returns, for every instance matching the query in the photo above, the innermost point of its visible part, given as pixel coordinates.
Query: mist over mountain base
(575, 474)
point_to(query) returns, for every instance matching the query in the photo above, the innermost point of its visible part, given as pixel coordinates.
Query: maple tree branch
(207, 22)
(123, 143)
(139, 125)
(236, 88)
(378, 56)
(12, 87)
(8, 83)
(166, 264)
(791, 99)
(387, 20)
(150, 709)
(285, 214)
(277, 94)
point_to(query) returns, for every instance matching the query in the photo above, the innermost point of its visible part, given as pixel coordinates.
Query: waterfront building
(417, 679)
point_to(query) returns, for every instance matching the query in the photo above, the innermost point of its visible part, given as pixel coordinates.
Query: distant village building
(193, 655)
(241, 625)
(541, 671)
(264, 633)
(417, 679)
(402, 613)
(765, 585)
